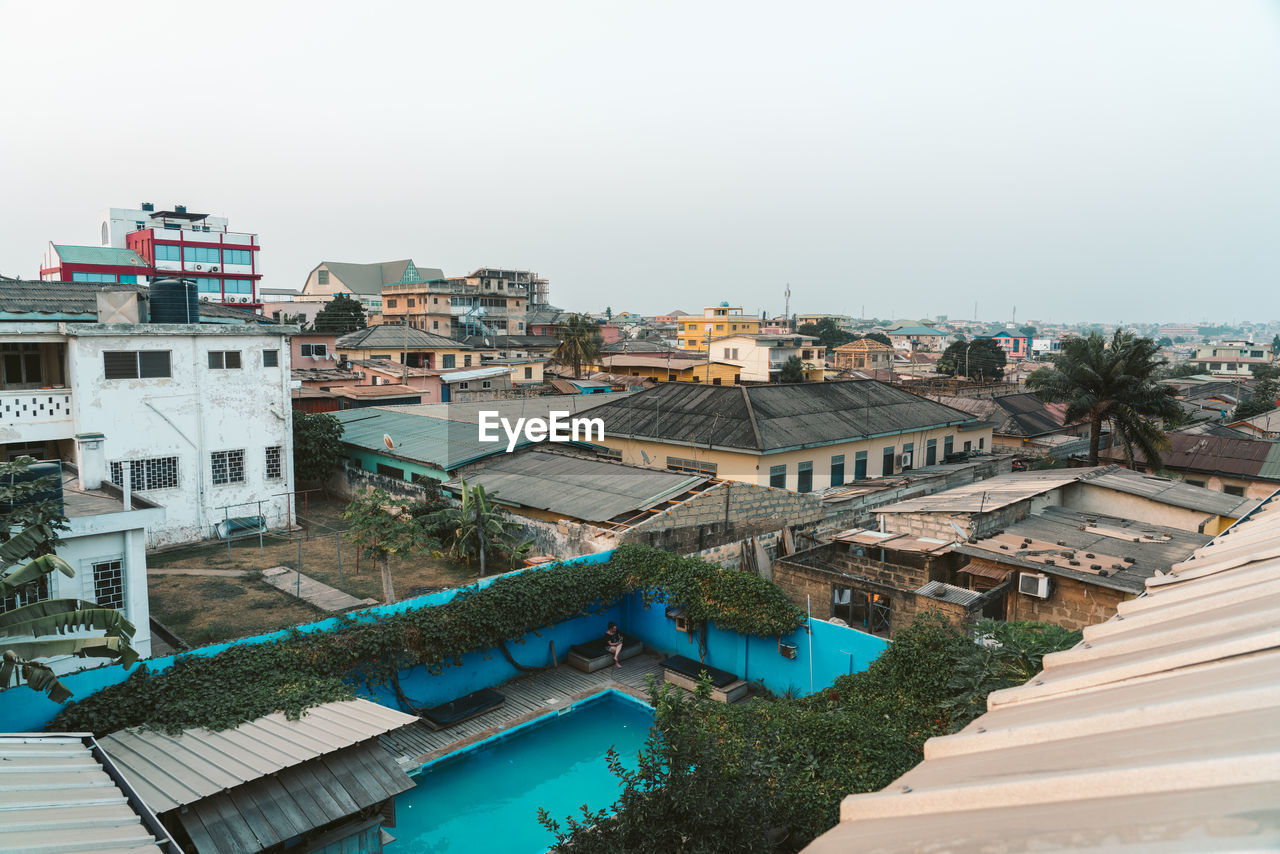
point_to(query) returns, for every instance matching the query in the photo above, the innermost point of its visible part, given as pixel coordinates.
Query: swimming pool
(486, 797)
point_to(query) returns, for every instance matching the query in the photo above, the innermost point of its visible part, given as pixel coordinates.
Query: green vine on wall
(304, 669)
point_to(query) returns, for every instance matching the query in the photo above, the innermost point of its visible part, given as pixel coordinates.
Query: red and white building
(224, 264)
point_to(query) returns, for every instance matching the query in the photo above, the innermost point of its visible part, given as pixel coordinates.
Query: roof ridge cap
(751, 418)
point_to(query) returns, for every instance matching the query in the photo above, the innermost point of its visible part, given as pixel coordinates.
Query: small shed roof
(172, 770)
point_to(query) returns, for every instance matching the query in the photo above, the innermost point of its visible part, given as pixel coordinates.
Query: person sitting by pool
(613, 639)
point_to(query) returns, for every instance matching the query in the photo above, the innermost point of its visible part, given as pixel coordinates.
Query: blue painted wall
(24, 710)
(836, 651)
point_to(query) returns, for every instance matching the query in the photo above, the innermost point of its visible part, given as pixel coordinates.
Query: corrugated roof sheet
(773, 417)
(1160, 732)
(168, 771)
(985, 496)
(298, 800)
(386, 336)
(949, 593)
(56, 796)
(1244, 458)
(98, 255)
(57, 298)
(438, 442)
(1172, 492)
(368, 279)
(586, 488)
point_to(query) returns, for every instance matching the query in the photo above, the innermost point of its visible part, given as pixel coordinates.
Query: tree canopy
(828, 332)
(1261, 399)
(1112, 382)
(981, 358)
(341, 315)
(792, 371)
(317, 445)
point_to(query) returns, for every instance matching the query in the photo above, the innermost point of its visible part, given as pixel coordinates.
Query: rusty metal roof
(1159, 732)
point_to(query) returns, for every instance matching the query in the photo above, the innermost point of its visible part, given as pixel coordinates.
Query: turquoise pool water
(486, 798)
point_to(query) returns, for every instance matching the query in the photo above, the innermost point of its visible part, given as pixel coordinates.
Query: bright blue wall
(836, 650)
(24, 710)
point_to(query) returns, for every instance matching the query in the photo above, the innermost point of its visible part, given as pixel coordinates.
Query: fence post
(298, 589)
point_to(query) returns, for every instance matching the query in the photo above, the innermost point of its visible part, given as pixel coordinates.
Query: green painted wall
(369, 461)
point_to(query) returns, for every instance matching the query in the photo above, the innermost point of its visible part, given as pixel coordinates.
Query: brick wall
(1072, 604)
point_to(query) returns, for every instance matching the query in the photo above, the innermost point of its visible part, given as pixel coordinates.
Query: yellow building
(409, 346)
(802, 437)
(693, 333)
(681, 369)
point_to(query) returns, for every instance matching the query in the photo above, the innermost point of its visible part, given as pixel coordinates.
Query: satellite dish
(386, 440)
(644, 457)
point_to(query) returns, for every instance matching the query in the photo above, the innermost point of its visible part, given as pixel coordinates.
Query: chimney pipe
(91, 459)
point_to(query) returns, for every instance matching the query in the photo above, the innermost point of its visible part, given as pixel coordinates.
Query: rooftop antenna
(786, 312)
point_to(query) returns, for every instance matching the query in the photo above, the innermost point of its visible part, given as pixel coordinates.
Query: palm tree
(1111, 382)
(579, 342)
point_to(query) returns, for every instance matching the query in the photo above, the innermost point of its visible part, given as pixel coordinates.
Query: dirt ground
(221, 608)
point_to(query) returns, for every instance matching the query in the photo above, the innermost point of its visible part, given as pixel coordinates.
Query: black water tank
(174, 301)
(33, 473)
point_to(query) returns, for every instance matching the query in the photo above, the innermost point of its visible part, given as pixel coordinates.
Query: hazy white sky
(1091, 159)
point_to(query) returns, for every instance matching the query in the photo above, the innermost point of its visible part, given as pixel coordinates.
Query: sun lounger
(687, 673)
(456, 711)
(590, 657)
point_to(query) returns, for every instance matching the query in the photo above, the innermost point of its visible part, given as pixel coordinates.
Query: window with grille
(273, 463)
(26, 594)
(228, 467)
(224, 359)
(610, 454)
(270, 358)
(322, 277)
(691, 466)
(315, 351)
(148, 474)
(108, 584)
(135, 364)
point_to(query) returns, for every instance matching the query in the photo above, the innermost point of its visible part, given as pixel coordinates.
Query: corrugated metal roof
(298, 800)
(386, 336)
(168, 771)
(473, 374)
(1171, 492)
(1245, 458)
(949, 593)
(985, 496)
(773, 417)
(438, 442)
(98, 255)
(56, 796)
(1160, 732)
(78, 299)
(593, 490)
(368, 279)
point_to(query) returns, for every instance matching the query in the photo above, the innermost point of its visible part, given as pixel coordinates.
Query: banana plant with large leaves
(53, 627)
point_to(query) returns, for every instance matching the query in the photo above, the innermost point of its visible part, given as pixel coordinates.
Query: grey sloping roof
(638, 345)
(1168, 491)
(774, 417)
(1110, 539)
(169, 771)
(1244, 458)
(436, 442)
(56, 795)
(77, 299)
(394, 336)
(1212, 428)
(259, 814)
(369, 278)
(586, 488)
(1157, 734)
(504, 342)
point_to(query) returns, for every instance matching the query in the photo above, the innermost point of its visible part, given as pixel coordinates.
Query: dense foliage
(341, 315)
(247, 681)
(579, 343)
(317, 445)
(734, 601)
(768, 775)
(1261, 399)
(1112, 382)
(980, 358)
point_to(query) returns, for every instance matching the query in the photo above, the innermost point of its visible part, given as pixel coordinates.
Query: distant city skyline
(1091, 161)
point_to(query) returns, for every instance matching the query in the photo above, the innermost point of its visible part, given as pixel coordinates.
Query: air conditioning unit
(904, 460)
(213, 269)
(1033, 584)
(199, 266)
(204, 299)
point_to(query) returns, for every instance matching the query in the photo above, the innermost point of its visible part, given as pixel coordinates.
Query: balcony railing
(35, 407)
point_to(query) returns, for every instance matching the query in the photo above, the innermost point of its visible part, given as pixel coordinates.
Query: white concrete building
(761, 357)
(199, 414)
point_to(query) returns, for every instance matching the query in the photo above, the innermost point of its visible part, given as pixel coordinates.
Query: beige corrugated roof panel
(169, 771)
(1159, 732)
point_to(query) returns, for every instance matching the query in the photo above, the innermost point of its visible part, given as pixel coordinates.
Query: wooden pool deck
(528, 697)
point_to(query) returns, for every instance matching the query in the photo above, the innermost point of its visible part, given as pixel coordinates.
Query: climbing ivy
(304, 669)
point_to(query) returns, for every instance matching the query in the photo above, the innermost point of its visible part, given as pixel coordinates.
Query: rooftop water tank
(34, 472)
(174, 301)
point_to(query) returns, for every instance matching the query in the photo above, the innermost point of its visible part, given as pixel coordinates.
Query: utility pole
(787, 309)
(708, 355)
